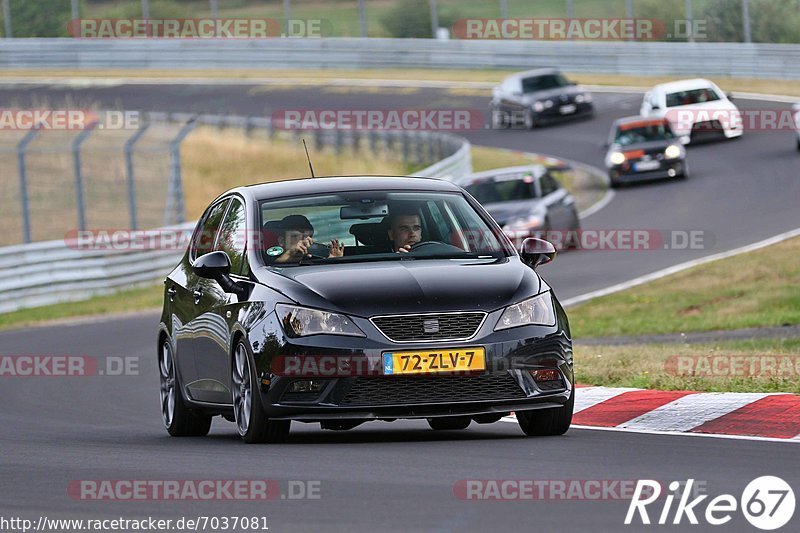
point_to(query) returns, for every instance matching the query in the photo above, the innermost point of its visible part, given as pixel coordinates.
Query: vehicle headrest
(372, 233)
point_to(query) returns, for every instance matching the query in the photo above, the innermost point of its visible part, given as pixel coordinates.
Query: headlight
(534, 311)
(538, 106)
(302, 321)
(548, 104)
(673, 151)
(534, 221)
(617, 158)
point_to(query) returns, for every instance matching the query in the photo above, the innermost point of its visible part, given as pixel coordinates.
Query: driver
(295, 237)
(405, 230)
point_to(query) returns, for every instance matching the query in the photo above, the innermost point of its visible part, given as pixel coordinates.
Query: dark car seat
(371, 238)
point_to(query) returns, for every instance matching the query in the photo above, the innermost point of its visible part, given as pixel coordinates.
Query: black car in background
(640, 149)
(455, 327)
(538, 97)
(527, 202)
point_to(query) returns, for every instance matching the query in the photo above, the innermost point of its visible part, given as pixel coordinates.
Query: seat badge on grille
(430, 325)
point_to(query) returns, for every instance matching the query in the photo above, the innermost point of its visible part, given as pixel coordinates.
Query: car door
(559, 202)
(179, 286)
(213, 325)
(195, 294)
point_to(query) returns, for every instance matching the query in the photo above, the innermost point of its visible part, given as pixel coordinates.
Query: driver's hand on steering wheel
(405, 249)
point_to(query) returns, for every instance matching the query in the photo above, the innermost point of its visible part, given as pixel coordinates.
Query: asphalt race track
(398, 476)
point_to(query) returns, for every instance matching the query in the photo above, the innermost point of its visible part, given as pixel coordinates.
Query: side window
(203, 239)
(233, 238)
(548, 184)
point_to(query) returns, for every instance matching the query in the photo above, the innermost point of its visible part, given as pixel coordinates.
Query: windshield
(543, 83)
(365, 226)
(517, 187)
(694, 96)
(638, 132)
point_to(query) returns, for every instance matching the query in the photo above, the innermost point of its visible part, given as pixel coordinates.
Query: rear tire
(251, 421)
(547, 422)
(449, 423)
(179, 419)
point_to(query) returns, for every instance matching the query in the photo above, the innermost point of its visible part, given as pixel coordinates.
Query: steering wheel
(435, 247)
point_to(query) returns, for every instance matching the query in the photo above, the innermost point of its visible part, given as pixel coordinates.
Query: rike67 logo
(767, 503)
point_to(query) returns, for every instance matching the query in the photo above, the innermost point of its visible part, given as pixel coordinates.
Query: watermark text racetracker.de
(590, 29)
(193, 489)
(47, 365)
(67, 119)
(614, 239)
(379, 119)
(732, 366)
(550, 489)
(709, 118)
(199, 28)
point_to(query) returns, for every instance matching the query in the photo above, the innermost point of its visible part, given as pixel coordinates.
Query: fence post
(7, 19)
(175, 184)
(129, 175)
(362, 18)
(145, 9)
(434, 18)
(748, 36)
(76, 159)
(23, 182)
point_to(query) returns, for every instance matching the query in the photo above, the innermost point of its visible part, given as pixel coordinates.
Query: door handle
(171, 292)
(198, 294)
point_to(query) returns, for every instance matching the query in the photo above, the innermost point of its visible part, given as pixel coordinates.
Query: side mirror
(217, 266)
(535, 252)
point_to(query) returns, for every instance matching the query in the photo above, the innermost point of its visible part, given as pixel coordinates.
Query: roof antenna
(309, 159)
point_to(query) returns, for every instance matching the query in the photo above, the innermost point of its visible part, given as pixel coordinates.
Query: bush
(412, 19)
(38, 18)
(770, 21)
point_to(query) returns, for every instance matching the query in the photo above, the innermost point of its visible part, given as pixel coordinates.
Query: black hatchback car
(340, 300)
(538, 97)
(640, 149)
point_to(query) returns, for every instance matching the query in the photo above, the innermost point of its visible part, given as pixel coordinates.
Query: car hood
(647, 147)
(505, 212)
(397, 287)
(570, 90)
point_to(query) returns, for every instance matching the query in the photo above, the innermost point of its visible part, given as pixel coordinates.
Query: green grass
(128, 301)
(646, 366)
(750, 290)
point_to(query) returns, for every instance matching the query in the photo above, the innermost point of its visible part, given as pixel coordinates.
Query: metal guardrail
(49, 272)
(632, 58)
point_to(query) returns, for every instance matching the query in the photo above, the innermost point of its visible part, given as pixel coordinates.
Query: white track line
(586, 397)
(691, 411)
(680, 267)
(680, 434)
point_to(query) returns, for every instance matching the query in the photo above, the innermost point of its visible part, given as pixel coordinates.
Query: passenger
(294, 239)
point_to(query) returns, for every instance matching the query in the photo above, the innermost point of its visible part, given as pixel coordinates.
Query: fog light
(671, 173)
(306, 385)
(546, 374)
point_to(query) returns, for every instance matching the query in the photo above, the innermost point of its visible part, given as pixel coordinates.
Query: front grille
(429, 327)
(422, 390)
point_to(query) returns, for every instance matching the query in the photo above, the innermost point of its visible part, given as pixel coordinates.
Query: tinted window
(694, 96)
(203, 240)
(444, 218)
(491, 192)
(640, 132)
(232, 238)
(548, 184)
(543, 83)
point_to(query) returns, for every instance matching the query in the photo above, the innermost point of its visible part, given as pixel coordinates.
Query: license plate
(567, 109)
(434, 361)
(646, 165)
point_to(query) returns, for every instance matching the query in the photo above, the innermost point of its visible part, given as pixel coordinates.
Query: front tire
(251, 421)
(179, 419)
(547, 422)
(449, 423)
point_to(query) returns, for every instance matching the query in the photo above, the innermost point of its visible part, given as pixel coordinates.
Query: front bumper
(555, 114)
(667, 169)
(505, 385)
